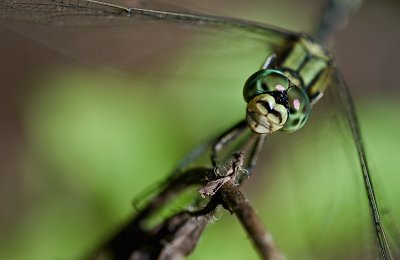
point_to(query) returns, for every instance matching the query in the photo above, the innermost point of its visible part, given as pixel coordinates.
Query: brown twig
(134, 240)
(177, 236)
(236, 203)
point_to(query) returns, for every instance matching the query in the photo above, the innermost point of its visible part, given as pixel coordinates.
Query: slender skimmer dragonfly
(291, 82)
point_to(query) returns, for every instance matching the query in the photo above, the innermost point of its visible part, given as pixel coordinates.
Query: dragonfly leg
(230, 135)
(255, 152)
(211, 205)
(225, 138)
(268, 61)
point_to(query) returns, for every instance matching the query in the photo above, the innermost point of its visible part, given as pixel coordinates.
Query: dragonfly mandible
(279, 96)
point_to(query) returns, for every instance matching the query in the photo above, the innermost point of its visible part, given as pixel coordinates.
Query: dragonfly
(281, 95)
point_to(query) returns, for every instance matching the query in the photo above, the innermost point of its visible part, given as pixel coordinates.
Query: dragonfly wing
(128, 37)
(314, 197)
(200, 159)
(387, 234)
(169, 197)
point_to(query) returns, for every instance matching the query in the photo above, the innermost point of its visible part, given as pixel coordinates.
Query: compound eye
(299, 109)
(264, 81)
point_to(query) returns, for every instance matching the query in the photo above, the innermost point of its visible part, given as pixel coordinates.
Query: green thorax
(307, 65)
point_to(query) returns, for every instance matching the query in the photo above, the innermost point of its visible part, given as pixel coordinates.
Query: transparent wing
(314, 201)
(387, 234)
(127, 36)
(204, 158)
(181, 190)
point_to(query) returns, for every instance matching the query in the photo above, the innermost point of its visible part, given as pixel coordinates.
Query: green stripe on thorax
(307, 65)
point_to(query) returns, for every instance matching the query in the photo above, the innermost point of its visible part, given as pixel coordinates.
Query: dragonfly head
(274, 102)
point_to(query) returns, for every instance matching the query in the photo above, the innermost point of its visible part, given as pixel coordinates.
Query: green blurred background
(77, 144)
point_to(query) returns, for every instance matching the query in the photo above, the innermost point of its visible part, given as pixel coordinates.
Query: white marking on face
(264, 115)
(280, 87)
(296, 104)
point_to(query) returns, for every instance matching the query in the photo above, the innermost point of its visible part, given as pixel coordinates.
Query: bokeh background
(80, 140)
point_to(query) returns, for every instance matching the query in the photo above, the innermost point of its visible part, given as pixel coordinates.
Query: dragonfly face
(281, 98)
(274, 102)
